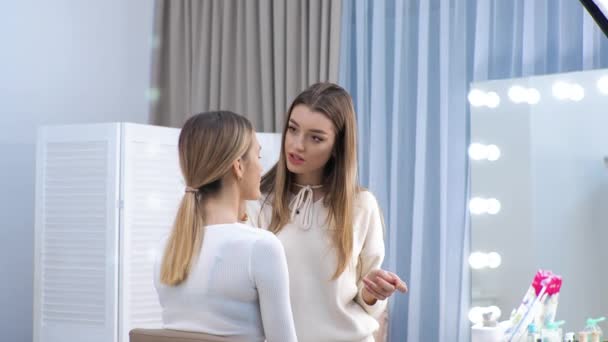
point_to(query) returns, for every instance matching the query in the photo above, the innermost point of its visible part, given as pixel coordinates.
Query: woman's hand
(380, 284)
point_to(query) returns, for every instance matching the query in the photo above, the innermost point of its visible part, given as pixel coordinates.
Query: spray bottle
(552, 332)
(593, 331)
(533, 335)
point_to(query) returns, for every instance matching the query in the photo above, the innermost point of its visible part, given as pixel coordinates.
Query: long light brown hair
(339, 176)
(208, 145)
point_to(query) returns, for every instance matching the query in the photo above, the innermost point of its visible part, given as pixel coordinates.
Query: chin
(294, 169)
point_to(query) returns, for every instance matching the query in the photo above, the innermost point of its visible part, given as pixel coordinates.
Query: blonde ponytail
(184, 243)
(208, 145)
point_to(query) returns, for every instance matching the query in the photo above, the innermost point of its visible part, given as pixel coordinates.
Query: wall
(61, 62)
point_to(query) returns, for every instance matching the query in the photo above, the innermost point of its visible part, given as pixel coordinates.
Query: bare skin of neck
(224, 207)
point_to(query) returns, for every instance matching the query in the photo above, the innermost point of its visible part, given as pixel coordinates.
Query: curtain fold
(251, 57)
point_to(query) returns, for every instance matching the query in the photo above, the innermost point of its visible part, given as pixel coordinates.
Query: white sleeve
(269, 273)
(372, 254)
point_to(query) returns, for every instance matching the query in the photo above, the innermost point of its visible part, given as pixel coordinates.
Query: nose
(298, 142)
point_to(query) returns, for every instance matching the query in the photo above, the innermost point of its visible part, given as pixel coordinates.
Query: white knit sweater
(324, 309)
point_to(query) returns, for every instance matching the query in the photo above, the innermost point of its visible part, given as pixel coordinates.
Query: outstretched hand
(380, 284)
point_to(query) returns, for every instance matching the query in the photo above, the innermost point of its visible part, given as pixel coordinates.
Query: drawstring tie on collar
(301, 205)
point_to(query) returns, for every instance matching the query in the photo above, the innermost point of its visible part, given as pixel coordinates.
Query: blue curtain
(523, 38)
(408, 65)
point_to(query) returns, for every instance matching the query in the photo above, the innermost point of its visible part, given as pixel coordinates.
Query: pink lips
(295, 159)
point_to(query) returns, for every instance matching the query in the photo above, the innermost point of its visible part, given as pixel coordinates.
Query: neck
(308, 179)
(314, 178)
(222, 208)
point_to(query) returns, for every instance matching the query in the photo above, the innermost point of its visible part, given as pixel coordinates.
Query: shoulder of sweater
(246, 232)
(266, 242)
(257, 238)
(254, 231)
(365, 200)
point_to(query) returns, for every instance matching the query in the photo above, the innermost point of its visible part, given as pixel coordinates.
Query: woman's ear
(238, 169)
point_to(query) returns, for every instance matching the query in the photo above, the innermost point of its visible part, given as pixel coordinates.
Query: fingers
(380, 286)
(402, 286)
(385, 287)
(398, 283)
(373, 289)
(390, 278)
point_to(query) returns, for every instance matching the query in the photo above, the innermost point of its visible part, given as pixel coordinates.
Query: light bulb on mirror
(492, 100)
(475, 315)
(478, 260)
(477, 151)
(602, 85)
(533, 96)
(478, 206)
(493, 152)
(568, 91)
(578, 93)
(494, 260)
(561, 90)
(477, 98)
(493, 206)
(517, 94)
(481, 260)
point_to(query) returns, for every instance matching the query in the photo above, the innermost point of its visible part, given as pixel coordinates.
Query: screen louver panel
(153, 189)
(73, 272)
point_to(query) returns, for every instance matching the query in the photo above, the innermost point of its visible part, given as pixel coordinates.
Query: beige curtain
(248, 56)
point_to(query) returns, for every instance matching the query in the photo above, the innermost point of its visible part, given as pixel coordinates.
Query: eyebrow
(318, 131)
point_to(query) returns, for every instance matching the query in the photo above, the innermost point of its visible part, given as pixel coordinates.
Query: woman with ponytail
(216, 275)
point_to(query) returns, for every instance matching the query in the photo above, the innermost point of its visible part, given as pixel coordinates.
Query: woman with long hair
(330, 227)
(217, 275)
